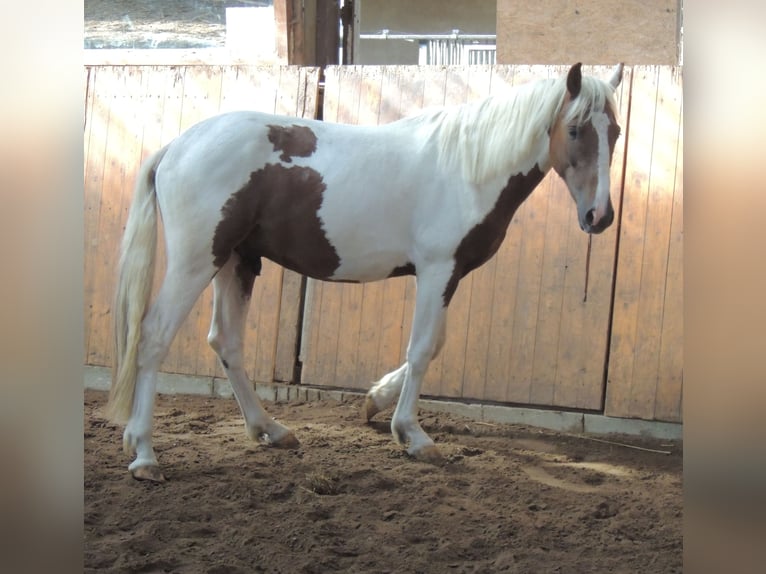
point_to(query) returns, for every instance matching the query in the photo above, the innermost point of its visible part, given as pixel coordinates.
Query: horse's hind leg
(384, 391)
(180, 289)
(232, 287)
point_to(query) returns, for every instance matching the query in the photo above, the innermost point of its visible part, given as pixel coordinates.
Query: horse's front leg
(385, 391)
(425, 339)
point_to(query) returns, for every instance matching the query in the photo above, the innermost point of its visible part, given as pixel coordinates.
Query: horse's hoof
(428, 453)
(151, 473)
(370, 408)
(288, 441)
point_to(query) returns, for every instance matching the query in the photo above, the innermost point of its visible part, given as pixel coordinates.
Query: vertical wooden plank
(102, 178)
(331, 94)
(670, 380)
(97, 128)
(644, 244)
(311, 331)
(288, 91)
(632, 227)
(308, 93)
(266, 322)
(653, 268)
(283, 16)
(553, 270)
(657, 239)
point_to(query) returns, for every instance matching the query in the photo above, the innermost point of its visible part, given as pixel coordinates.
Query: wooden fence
(519, 330)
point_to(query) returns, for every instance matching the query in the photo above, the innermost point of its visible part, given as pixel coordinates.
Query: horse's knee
(419, 357)
(215, 341)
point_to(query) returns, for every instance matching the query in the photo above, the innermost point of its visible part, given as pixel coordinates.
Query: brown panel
(604, 32)
(645, 360)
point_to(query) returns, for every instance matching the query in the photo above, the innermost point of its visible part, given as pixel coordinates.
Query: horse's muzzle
(593, 222)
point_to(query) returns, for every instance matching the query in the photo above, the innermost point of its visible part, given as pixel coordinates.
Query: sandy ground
(507, 499)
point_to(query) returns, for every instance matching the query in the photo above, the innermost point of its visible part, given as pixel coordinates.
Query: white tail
(134, 285)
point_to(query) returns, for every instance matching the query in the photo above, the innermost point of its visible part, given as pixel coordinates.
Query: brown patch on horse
(246, 273)
(485, 238)
(406, 269)
(275, 215)
(292, 141)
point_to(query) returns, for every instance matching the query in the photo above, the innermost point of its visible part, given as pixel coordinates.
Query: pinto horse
(430, 195)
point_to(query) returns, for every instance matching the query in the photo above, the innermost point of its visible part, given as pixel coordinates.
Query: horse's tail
(134, 285)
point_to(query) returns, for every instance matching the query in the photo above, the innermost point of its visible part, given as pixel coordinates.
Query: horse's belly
(371, 265)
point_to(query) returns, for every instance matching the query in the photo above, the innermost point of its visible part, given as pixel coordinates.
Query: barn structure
(556, 330)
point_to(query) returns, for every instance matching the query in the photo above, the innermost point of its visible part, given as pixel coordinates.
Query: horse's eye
(573, 132)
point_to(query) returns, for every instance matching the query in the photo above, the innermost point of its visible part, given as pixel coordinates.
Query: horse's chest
(484, 239)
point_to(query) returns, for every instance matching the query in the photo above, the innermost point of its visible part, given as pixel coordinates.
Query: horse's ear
(574, 80)
(616, 75)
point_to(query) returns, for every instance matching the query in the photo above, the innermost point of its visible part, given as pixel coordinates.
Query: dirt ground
(507, 498)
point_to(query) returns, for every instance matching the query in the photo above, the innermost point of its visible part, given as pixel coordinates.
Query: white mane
(491, 136)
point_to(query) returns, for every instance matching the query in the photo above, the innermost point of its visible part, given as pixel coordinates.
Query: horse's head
(582, 141)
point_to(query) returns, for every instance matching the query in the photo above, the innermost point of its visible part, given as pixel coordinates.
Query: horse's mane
(491, 136)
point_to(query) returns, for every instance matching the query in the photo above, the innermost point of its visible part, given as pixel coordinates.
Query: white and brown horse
(430, 195)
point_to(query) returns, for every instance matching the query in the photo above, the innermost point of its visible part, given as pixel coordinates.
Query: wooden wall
(518, 328)
(604, 32)
(132, 111)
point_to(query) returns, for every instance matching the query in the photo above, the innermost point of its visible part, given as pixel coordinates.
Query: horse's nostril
(590, 216)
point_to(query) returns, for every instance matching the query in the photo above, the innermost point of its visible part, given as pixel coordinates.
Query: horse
(430, 195)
